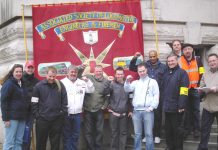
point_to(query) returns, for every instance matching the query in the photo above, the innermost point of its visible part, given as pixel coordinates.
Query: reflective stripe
(192, 70)
(34, 99)
(193, 82)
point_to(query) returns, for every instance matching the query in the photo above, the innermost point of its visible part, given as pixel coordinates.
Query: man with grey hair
(76, 89)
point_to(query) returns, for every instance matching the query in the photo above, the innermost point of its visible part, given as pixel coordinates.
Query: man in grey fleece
(94, 104)
(119, 104)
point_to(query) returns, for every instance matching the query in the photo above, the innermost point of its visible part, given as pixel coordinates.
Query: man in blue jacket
(155, 70)
(175, 95)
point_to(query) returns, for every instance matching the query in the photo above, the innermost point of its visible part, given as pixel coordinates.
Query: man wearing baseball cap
(193, 66)
(30, 81)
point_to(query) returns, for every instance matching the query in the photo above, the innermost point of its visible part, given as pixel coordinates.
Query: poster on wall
(91, 33)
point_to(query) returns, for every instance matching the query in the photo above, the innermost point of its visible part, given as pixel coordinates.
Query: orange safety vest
(192, 71)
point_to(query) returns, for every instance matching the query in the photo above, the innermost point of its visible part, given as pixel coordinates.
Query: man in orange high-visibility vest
(193, 66)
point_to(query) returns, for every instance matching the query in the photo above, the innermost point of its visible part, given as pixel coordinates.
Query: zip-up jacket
(76, 92)
(175, 89)
(119, 99)
(29, 81)
(48, 101)
(154, 71)
(146, 93)
(15, 102)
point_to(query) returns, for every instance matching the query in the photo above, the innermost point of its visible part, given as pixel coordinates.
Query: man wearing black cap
(193, 66)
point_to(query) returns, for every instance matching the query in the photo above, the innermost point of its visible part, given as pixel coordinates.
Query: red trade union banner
(105, 33)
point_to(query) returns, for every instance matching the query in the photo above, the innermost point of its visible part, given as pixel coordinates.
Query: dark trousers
(193, 111)
(157, 121)
(118, 126)
(71, 131)
(174, 139)
(51, 129)
(206, 123)
(93, 129)
(27, 134)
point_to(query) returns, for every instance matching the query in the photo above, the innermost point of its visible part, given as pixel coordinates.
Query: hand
(137, 54)
(7, 124)
(213, 89)
(84, 78)
(149, 109)
(130, 114)
(129, 78)
(110, 78)
(84, 65)
(181, 110)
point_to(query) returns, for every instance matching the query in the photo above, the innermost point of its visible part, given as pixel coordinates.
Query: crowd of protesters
(58, 107)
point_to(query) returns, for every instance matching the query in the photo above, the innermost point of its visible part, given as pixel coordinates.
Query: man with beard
(76, 89)
(194, 68)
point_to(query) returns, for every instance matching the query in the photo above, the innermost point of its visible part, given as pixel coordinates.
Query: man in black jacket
(49, 105)
(30, 81)
(175, 95)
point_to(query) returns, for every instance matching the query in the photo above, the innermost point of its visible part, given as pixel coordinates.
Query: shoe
(196, 134)
(156, 140)
(144, 140)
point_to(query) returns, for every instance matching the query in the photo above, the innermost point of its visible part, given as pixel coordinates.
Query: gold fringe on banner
(80, 3)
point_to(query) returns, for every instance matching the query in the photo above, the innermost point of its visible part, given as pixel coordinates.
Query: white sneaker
(156, 140)
(144, 140)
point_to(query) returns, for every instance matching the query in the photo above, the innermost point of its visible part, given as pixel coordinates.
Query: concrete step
(188, 145)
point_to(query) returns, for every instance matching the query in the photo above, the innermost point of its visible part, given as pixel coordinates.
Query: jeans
(14, 135)
(51, 129)
(93, 129)
(206, 123)
(193, 111)
(174, 139)
(71, 131)
(118, 126)
(147, 120)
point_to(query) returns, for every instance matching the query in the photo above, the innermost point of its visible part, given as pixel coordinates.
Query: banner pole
(155, 29)
(24, 33)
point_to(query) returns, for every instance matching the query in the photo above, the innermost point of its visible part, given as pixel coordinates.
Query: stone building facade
(191, 21)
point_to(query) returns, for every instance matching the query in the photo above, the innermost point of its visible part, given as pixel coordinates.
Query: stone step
(188, 145)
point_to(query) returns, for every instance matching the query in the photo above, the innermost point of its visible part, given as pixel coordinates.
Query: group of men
(173, 89)
(179, 99)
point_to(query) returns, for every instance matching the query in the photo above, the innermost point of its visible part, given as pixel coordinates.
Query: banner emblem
(90, 37)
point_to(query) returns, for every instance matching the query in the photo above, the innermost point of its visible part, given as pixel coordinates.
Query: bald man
(155, 70)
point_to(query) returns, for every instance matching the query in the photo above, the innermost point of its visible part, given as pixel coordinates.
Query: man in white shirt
(145, 100)
(76, 89)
